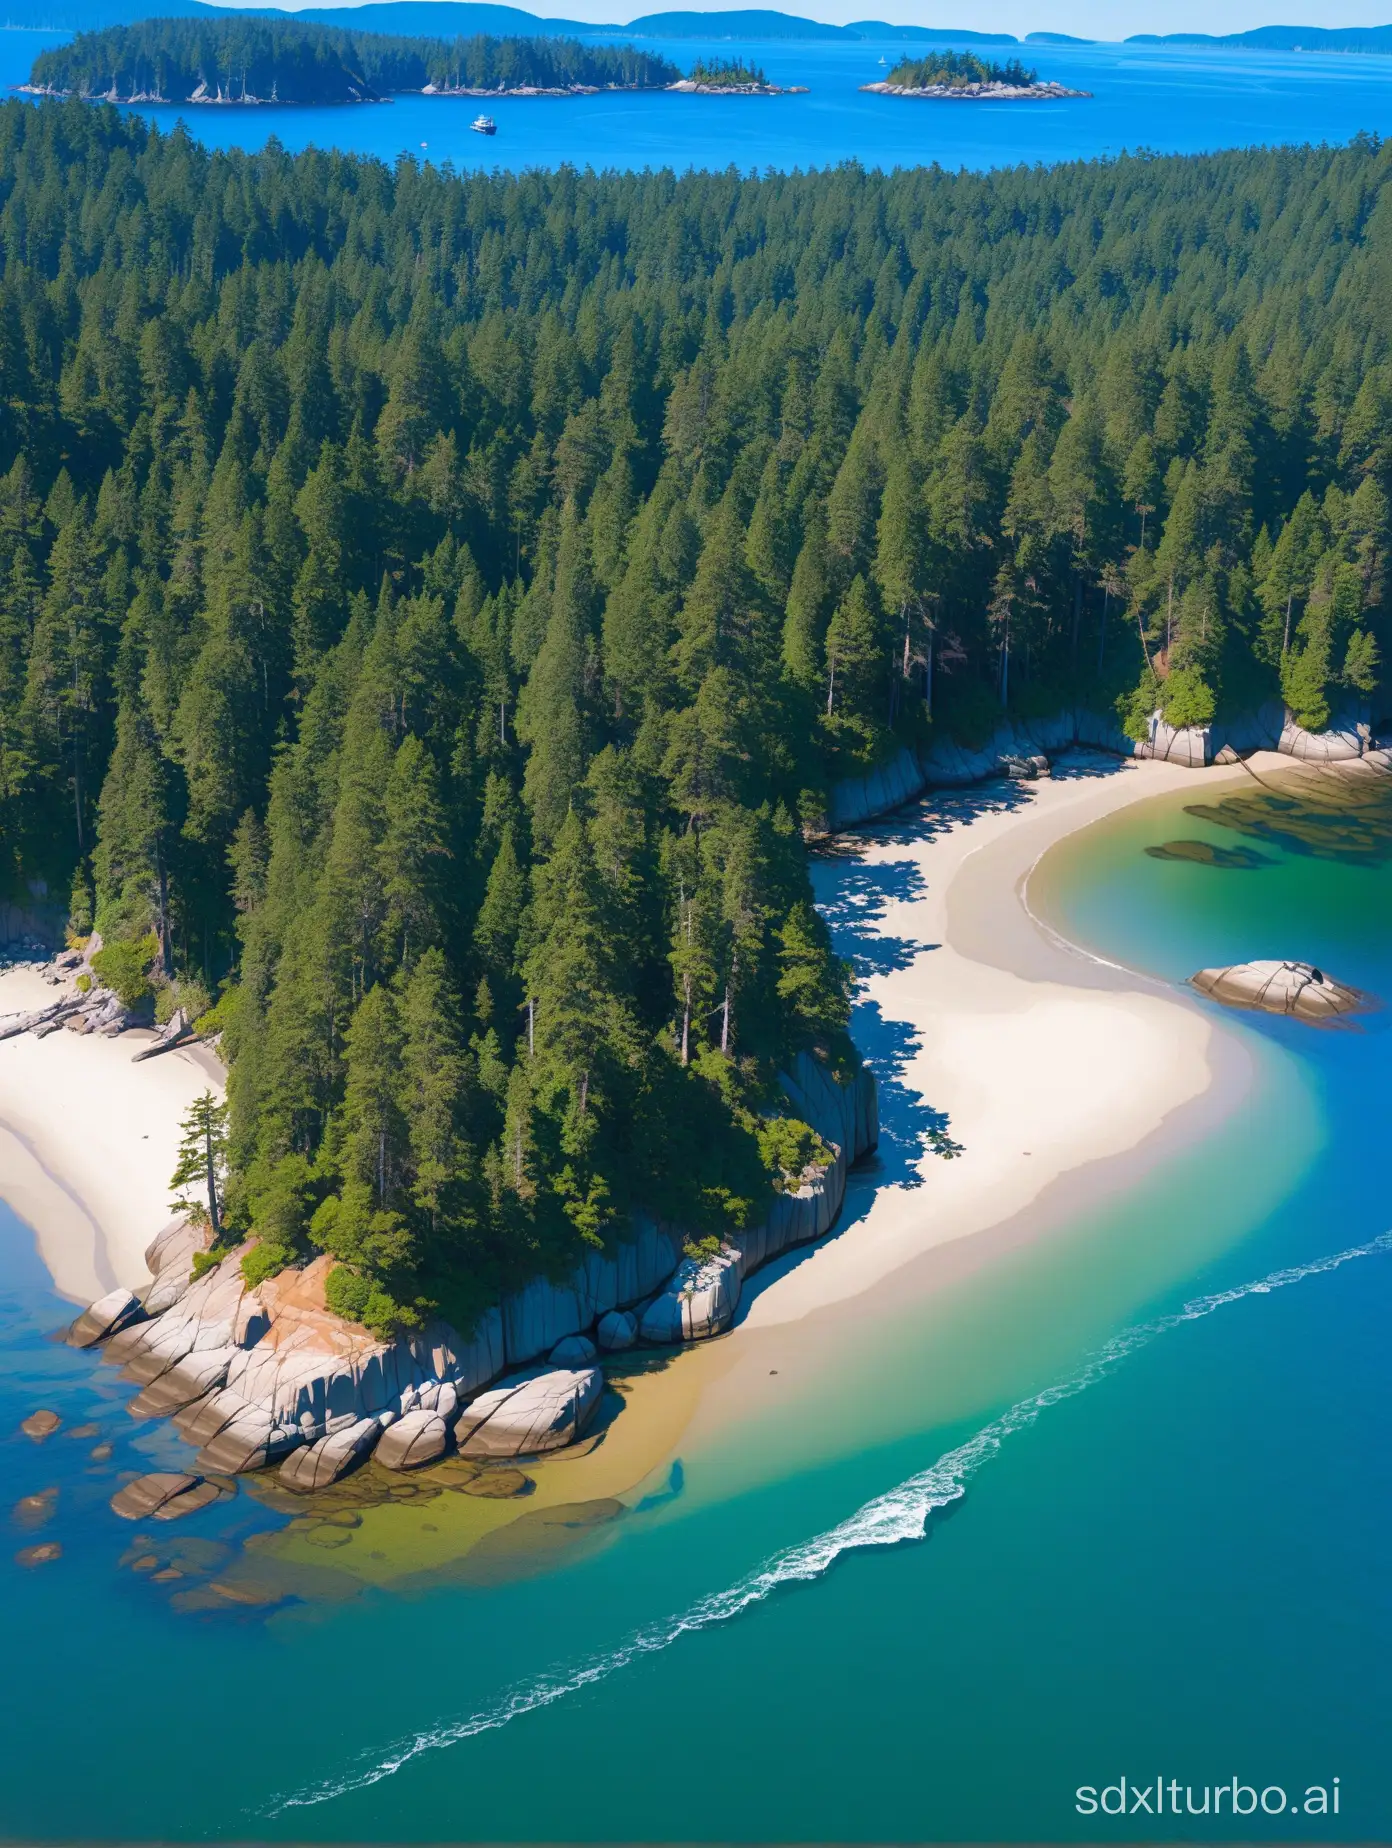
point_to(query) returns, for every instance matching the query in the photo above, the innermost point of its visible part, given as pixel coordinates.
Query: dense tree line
(727, 73)
(954, 70)
(432, 609)
(294, 62)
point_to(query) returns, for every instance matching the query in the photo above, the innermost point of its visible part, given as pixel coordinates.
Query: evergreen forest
(433, 610)
(954, 70)
(291, 61)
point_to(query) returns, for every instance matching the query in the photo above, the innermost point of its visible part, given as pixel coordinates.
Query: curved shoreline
(88, 1141)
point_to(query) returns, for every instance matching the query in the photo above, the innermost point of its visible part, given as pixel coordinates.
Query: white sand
(88, 1141)
(1043, 1059)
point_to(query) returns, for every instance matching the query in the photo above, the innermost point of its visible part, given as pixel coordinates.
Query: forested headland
(432, 608)
(291, 61)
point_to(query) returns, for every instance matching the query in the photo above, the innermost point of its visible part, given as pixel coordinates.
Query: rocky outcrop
(263, 1376)
(1280, 988)
(169, 1260)
(948, 765)
(40, 1425)
(700, 1299)
(106, 1316)
(540, 1410)
(701, 1296)
(165, 1495)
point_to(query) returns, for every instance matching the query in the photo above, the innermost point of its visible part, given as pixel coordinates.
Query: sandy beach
(1040, 1058)
(88, 1141)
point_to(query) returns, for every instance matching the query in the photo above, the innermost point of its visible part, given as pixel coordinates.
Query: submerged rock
(167, 1495)
(1280, 988)
(141, 1498)
(543, 1410)
(1204, 853)
(34, 1510)
(41, 1555)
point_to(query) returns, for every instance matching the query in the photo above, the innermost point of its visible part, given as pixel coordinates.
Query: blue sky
(1104, 19)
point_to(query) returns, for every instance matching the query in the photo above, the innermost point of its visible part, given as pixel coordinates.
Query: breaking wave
(901, 1514)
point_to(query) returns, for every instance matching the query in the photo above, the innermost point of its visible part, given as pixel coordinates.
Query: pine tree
(202, 1164)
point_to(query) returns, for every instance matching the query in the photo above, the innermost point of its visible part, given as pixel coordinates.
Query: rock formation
(543, 1409)
(1280, 988)
(262, 1376)
(106, 1316)
(416, 1438)
(166, 1495)
(947, 765)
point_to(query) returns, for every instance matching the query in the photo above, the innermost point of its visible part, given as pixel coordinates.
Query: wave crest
(898, 1516)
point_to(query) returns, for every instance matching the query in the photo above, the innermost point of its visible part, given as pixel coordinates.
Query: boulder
(106, 1316)
(318, 1464)
(202, 1495)
(248, 1443)
(574, 1351)
(40, 1424)
(141, 1498)
(1280, 988)
(542, 1409)
(700, 1300)
(414, 1439)
(616, 1331)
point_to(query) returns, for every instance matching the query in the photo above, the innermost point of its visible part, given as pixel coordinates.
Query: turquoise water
(1172, 100)
(1172, 1567)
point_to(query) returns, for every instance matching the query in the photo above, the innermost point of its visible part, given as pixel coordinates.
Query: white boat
(484, 125)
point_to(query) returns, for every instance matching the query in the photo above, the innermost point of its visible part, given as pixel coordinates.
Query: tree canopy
(432, 608)
(294, 61)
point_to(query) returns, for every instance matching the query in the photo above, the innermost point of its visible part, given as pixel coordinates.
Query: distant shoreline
(148, 99)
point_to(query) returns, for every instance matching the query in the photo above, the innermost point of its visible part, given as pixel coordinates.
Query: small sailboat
(484, 125)
(884, 60)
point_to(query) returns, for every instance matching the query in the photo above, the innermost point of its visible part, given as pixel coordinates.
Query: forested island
(962, 76)
(731, 77)
(434, 610)
(260, 61)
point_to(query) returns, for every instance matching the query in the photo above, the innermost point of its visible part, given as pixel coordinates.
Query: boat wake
(901, 1514)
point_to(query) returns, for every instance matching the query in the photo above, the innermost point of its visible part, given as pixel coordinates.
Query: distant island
(253, 61)
(732, 77)
(960, 76)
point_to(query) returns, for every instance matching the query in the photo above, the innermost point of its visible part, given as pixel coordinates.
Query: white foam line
(902, 1514)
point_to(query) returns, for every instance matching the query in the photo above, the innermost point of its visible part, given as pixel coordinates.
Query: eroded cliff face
(270, 1375)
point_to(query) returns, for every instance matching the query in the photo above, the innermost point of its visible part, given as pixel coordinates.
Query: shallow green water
(1174, 1568)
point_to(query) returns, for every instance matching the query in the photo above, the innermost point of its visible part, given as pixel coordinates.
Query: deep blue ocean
(1168, 1413)
(1171, 100)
